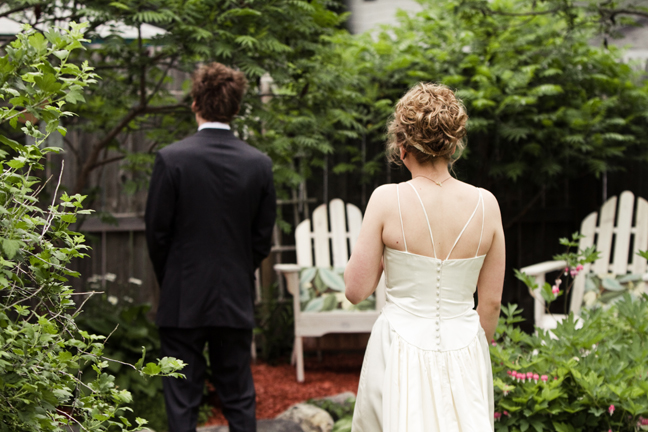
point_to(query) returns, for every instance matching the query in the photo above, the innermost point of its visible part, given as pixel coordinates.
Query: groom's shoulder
(195, 146)
(179, 147)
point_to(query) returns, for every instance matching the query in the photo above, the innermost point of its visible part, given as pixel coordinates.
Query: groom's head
(217, 92)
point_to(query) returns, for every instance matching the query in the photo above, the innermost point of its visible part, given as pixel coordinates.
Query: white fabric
(427, 365)
(214, 125)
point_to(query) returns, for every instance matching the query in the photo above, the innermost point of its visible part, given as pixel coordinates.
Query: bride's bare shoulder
(382, 198)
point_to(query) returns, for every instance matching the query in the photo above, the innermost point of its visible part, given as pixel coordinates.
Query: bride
(427, 365)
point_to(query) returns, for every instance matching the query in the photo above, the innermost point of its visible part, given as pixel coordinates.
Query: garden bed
(277, 388)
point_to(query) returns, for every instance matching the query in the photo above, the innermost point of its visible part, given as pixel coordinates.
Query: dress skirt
(410, 385)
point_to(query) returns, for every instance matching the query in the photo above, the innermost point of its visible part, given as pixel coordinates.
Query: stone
(309, 417)
(262, 426)
(344, 399)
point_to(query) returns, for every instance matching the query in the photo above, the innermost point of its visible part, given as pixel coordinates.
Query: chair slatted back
(623, 260)
(323, 244)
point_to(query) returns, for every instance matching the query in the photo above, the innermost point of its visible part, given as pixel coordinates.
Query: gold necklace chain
(432, 180)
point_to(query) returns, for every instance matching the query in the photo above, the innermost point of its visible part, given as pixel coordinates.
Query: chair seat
(314, 324)
(550, 321)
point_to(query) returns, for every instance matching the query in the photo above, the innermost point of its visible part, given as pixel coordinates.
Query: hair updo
(429, 122)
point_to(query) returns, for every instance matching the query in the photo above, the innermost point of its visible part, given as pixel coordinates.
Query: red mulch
(277, 387)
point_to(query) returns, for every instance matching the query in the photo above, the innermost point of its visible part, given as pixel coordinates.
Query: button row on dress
(438, 307)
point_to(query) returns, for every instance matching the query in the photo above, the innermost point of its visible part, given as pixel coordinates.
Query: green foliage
(605, 15)
(544, 103)
(128, 333)
(142, 93)
(322, 289)
(587, 374)
(42, 352)
(38, 78)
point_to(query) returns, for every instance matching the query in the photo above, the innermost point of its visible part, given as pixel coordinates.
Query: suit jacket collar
(218, 134)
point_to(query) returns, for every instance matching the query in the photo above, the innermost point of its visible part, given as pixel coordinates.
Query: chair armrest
(543, 267)
(287, 268)
(291, 273)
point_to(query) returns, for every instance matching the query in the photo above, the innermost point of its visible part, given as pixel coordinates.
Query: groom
(209, 219)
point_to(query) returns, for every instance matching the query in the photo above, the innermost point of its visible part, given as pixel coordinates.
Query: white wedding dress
(427, 364)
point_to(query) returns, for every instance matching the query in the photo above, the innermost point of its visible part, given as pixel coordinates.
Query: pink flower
(644, 421)
(493, 342)
(566, 270)
(509, 372)
(505, 394)
(558, 282)
(497, 415)
(611, 409)
(573, 272)
(555, 290)
(536, 377)
(544, 378)
(506, 413)
(579, 267)
(529, 375)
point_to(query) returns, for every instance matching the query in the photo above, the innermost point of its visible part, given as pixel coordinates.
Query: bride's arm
(491, 277)
(365, 265)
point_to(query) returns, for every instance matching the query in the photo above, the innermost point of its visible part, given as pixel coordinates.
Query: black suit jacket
(209, 217)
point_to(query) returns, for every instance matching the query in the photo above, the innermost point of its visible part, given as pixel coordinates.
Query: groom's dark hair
(217, 92)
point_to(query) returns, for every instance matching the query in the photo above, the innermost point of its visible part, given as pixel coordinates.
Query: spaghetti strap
(481, 198)
(401, 217)
(426, 218)
(479, 201)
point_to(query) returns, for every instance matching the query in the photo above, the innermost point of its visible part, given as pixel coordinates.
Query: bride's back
(450, 208)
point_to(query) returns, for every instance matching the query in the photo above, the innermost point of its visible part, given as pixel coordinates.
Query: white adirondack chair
(623, 260)
(338, 242)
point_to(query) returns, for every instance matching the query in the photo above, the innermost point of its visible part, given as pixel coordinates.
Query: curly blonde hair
(429, 122)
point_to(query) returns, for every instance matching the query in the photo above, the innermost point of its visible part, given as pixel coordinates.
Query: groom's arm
(160, 212)
(264, 220)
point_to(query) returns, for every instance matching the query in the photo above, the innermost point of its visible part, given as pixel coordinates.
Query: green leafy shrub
(129, 331)
(592, 378)
(42, 352)
(589, 373)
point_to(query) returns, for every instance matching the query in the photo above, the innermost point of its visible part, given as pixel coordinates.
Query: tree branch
(152, 146)
(93, 157)
(16, 10)
(68, 142)
(143, 99)
(161, 81)
(547, 12)
(107, 161)
(614, 12)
